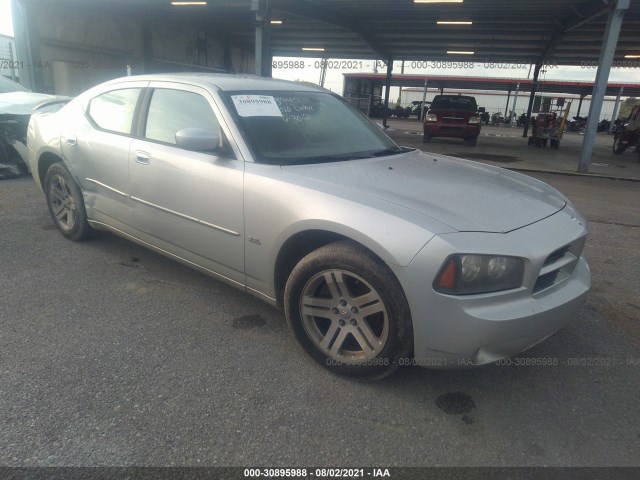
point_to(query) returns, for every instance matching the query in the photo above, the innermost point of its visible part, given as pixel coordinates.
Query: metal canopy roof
(500, 84)
(567, 32)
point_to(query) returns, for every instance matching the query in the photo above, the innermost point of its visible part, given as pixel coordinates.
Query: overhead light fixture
(438, 1)
(187, 4)
(459, 52)
(313, 49)
(454, 22)
(632, 56)
(276, 22)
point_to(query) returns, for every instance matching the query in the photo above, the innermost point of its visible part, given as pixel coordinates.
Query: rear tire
(348, 311)
(66, 204)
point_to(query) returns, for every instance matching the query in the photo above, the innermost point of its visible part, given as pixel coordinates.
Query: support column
(580, 104)
(513, 119)
(534, 89)
(424, 99)
(506, 107)
(441, 90)
(609, 42)
(323, 71)
(615, 109)
(263, 45)
(27, 46)
(387, 91)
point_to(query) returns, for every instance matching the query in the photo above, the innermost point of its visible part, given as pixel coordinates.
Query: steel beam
(387, 86)
(532, 96)
(263, 45)
(580, 105)
(615, 109)
(27, 45)
(506, 107)
(308, 9)
(512, 120)
(424, 99)
(609, 42)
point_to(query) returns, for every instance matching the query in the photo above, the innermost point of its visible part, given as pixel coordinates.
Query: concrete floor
(112, 355)
(505, 147)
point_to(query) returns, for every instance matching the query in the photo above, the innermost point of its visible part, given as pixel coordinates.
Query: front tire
(348, 311)
(426, 137)
(66, 204)
(618, 145)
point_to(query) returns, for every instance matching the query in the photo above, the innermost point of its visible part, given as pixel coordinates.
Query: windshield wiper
(326, 159)
(390, 151)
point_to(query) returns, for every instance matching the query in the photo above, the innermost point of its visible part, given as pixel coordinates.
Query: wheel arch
(303, 242)
(45, 160)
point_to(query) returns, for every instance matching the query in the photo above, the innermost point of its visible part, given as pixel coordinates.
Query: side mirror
(198, 139)
(481, 109)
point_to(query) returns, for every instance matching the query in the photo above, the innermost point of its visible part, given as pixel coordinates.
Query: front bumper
(457, 331)
(452, 129)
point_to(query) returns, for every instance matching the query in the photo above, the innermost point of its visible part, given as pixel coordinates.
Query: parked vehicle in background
(453, 116)
(497, 118)
(378, 255)
(522, 119)
(17, 104)
(628, 134)
(415, 108)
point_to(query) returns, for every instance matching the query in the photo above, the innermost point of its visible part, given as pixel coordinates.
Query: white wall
(496, 101)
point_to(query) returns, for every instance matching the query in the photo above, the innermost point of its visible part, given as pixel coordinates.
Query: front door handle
(69, 139)
(142, 157)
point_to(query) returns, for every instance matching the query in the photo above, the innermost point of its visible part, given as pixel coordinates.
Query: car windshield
(7, 86)
(454, 103)
(286, 128)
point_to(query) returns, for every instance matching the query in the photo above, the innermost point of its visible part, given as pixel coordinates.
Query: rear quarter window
(114, 111)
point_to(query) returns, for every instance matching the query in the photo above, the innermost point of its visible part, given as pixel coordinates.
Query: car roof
(454, 96)
(226, 82)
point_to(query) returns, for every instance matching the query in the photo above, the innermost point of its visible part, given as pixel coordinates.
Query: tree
(627, 106)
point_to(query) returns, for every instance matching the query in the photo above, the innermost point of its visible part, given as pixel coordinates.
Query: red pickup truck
(454, 116)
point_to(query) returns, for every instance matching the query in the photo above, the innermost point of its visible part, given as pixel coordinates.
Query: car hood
(26, 103)
(465, 195)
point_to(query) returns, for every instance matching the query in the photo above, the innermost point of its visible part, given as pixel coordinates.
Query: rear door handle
(142, 157)
(69, 139)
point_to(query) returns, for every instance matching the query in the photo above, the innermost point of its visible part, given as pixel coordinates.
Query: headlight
(469, 274)
(431, 118)
(474, 120)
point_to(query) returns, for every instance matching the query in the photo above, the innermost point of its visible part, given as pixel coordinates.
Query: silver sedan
(379, 255)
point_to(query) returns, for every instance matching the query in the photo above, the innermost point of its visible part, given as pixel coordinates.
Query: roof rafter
(308, 9)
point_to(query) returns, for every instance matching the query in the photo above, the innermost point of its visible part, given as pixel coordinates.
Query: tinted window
(172, 110)
(114, 110)
(454, 102)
